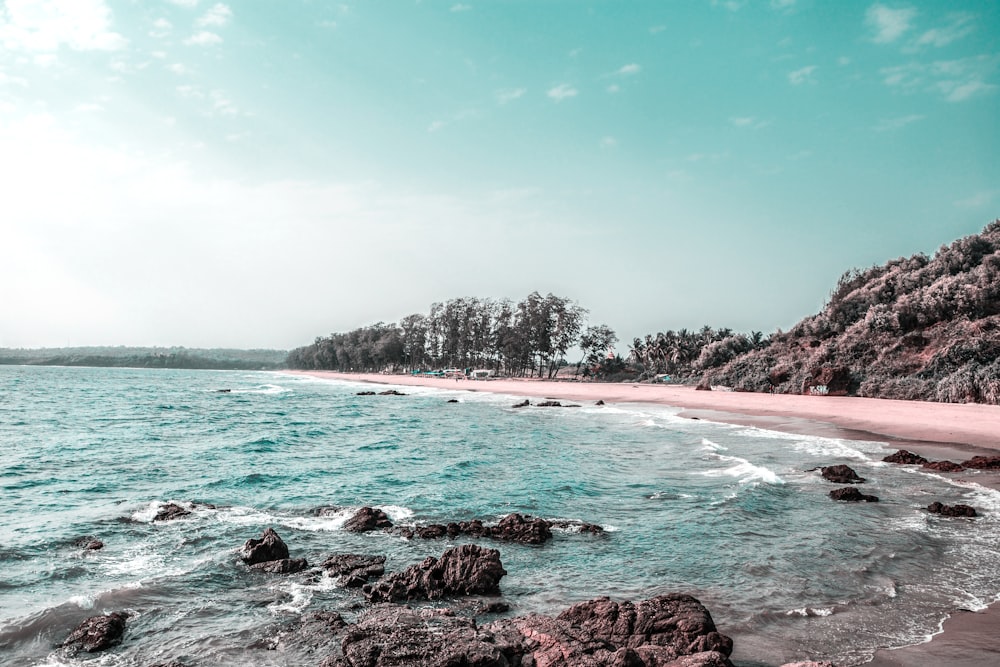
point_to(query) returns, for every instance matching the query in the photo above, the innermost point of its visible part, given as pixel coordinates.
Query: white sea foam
(712, 446)
(332, 520)
(743, 470)
(397, 513)
(301, 595)
(810, 611)
(818, 445)
(262, 389)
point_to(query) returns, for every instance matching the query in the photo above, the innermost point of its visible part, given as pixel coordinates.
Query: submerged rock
(905, 457)
(170, 511)
(366, 519)
(365, 393)
(983, 463)
(951, 510)
(269, 547)
(523, 529)
(549, 404)
(851, 494)
(354, 570)
(282, 566)
(452, 400)
(89, 543)
(98, 633)
(943, 466)
(391, 392)
(464, 570)
(841, 474)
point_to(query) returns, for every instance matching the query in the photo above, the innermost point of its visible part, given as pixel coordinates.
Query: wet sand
(935, 430)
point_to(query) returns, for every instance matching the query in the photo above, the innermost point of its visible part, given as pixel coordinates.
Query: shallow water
(723, 512)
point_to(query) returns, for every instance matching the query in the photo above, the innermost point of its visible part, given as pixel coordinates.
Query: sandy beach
(935, 430)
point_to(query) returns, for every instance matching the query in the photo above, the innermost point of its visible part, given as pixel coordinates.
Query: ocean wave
(820, 446)
(708, 445)
(743, 470)
(810, 611)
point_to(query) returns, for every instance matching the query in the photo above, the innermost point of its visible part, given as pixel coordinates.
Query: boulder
(169, 512)
(464, 570)
(851, 494)
(577, 526)
(951, 510)
(89, 543)
(283, 566)
(841, 475)
(367, 519)
(522, 529)
(354, 570)
(549, 404)
(943, 466)
(599, 402)
(523, 404)
(268, 548)
(391, 392)
(365, 393)
(667, 631)
(98, 633)
(983, 463)
(452, 400)
(905, 457)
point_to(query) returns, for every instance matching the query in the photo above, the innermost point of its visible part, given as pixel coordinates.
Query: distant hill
(915, 328)
(146, 357)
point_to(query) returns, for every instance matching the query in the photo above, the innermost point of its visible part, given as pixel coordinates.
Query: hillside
(915, 328)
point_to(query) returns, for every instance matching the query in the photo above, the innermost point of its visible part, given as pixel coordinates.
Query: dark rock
(391, 392)
(317, 630)
(327, 510)
(983, 463)
(431, 532)
(365, 393)
(354, 570)
(453, 400)
(951, 510)
(600, 402)
(905, 457)
(283, 566)
(268, 548)
(495, 607)
(673, 630)
(464, 570)
(841, 475)
(172, 663)
(223, 391)
(577, 526)
(396, 636)
(778, 376)
(523, 404)
(836, 379)
(521, 529)
(549, 404)
(98, 633)
(851, 494)
(170, 511)
(89, 543)
(943, 466)
(366, 519)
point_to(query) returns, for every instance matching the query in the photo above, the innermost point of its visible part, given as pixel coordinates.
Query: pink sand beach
(935, 430)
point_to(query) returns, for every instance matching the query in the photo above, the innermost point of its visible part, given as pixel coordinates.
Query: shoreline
(936, 430)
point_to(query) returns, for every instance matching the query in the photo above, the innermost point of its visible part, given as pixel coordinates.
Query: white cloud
(218, 16)
(959, 26)
(889, 24)
(657, 29)
(203, 38)
(613, 88)
(631, 68)
(562, 92)
(843, 61)
(978, 200)
(956, 80)
(177, 68)
(510, 94)
(459, 7)
(161, 28)
(609, 142)
(898, 123)
(222, 104)
(89, 107)
(742, 121)
(46, 25)
(961, 91)
(185, 3)
(8, 80)
(803, 75)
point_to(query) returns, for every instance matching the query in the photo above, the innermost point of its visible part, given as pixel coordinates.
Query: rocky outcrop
(523, 529)
(89, 543)
(365, 393)
(841, 474)
(836, 380)
(943, 466)
(905, 457)
(354, 570)
(169, 512)
(523, 404)
(983, 463)
(391, 392)
(269, 547)
(283, 566)
(367, 519)
(464, 570)
(851, 494)
(452, 400)
(98, 633)
(667, 631)
(549, 404)
(951, 510)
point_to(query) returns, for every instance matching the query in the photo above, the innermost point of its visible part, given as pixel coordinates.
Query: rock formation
(366, 519)
(841, 474)
(354, 570)
(851, 494)
(98, 633)
(464, 570)
(905, 457)
(951, 510)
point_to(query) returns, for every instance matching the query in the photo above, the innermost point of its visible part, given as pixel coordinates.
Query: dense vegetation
(915, 328)
(524, 338)
(146, 357)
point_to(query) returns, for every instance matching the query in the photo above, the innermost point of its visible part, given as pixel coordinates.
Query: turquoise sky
(257, 173)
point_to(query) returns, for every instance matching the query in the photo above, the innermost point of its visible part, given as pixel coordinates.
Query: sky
(256, 173)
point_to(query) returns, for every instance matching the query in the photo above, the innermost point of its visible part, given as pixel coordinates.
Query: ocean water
(726, 513)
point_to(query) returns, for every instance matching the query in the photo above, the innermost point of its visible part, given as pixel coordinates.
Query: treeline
(914, 328)
(530, 337)
(684, 354)
(143, 357)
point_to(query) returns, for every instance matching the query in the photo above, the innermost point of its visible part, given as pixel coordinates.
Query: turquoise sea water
(726, 513)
